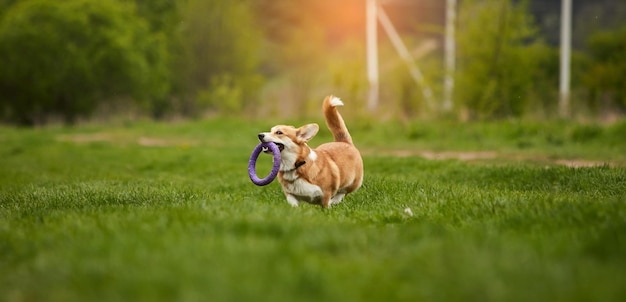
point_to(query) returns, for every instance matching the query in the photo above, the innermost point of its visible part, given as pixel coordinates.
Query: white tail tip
(335, 101)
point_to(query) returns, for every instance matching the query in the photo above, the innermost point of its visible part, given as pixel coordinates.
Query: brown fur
(323, 175)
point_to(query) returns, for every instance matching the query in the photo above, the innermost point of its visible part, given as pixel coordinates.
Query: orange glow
(344, 19)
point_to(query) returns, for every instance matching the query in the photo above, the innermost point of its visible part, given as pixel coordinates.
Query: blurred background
(78, 60)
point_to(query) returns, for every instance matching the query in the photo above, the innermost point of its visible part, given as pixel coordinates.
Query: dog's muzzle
(266, 149)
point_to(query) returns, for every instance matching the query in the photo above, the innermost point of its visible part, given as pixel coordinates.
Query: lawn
(148, 211)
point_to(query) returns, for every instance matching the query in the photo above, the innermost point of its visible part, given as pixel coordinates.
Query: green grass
(161, 212)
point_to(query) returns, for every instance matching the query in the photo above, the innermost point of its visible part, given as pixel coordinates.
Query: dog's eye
(279, 132)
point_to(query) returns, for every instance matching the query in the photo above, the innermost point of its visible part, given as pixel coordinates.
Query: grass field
(162, 212)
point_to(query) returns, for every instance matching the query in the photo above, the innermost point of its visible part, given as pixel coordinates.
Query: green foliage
(604, 76)
(66, 57)
(162, 15)
(167, 213)
(218, 56)
(500, 69)
(221, 95)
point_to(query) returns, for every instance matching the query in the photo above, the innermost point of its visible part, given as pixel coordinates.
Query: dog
(324, 175)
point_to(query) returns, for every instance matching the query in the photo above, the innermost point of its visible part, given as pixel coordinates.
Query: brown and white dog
(323, 175)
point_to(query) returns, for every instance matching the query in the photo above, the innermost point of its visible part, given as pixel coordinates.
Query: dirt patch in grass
(120, 139)
(92, 138)
(489, 156)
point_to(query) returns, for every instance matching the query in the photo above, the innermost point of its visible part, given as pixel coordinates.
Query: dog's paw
(292, 201)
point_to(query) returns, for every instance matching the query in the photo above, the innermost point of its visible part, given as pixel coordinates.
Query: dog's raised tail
(334, 121)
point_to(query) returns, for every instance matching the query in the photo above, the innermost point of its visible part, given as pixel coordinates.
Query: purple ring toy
(252, 164)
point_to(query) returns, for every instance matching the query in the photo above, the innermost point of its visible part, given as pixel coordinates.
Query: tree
(499, 57)
(217, 56)
(605, 75)
(66, 57)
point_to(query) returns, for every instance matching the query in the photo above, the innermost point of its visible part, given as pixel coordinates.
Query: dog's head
(289, 138)
(291, 141)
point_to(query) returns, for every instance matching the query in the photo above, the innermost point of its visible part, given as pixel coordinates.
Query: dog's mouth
(279, 145)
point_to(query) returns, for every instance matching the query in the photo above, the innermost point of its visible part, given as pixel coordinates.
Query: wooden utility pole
(372, 53)
(449, 55)
(566, 44)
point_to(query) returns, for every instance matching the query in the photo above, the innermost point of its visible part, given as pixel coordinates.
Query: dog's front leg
(292, 200)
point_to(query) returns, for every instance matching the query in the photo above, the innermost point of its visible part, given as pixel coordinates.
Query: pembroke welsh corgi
(323, 175)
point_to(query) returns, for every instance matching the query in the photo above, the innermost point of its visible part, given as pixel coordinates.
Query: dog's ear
(307, 132)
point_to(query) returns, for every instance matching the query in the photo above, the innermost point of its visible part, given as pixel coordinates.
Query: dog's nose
(261, 136)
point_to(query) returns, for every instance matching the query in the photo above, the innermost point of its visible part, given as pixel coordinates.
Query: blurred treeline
(69, 60)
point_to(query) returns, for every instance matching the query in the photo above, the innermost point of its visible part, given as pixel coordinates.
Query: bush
(605, 75)
(65, 57)
(217, 56)
(499, 62)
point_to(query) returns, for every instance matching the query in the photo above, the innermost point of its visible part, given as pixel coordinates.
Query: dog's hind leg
(337, 198)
